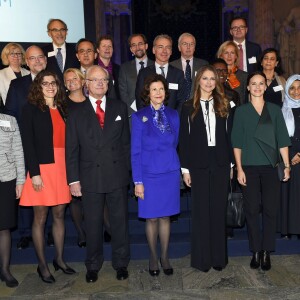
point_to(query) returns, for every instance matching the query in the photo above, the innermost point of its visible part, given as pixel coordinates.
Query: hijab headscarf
(288, 104)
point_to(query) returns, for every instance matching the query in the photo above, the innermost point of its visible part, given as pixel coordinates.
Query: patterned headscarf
(288, 104)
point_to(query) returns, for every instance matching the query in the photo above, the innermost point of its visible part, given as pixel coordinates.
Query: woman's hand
(19, 188)
(37, 183)
(187, 179)
(139, 191)
(296, 159)
(241, 177)
(75, 189)
(286, 174)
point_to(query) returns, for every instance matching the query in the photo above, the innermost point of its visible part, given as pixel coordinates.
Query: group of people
(183, 117)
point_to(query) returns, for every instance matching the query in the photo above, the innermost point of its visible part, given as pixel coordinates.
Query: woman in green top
(259, 133)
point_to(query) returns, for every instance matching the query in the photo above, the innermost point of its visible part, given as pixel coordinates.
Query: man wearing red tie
(97, 158)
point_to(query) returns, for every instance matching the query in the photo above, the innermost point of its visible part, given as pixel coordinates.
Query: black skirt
(8, 205)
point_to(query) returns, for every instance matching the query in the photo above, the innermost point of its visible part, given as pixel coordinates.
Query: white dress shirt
(244, 54)
(158, 70)
(94, 104)
(138, 65)
(63, 52)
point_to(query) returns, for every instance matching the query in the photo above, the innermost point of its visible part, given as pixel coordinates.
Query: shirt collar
(63, 47)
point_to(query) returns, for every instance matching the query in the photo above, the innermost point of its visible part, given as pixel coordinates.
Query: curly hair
(145, 94)
(36, 96)
(221, 104)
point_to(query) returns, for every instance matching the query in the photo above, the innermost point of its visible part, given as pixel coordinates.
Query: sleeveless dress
(56, 190)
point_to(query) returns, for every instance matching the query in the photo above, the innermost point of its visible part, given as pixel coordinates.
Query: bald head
(97, 81)
(35, 59)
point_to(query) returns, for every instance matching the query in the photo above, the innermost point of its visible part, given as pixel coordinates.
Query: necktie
(59, 59)
(188, 78)
(241, 57)
(142, 65)
(100, 113)
(162, 71)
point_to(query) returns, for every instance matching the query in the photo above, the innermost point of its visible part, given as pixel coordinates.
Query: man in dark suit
(97, 160)
(16, 98)
(130, 69)
(162, 49)
(249, 52)
(61, 55)
(187, 46)
(105, 49)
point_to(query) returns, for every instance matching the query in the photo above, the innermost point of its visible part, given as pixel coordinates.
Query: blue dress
(155, 163)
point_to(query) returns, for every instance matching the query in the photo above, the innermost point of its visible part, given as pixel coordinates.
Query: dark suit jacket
(127, 82)
(116, 71)
(197, 64)
(17, 96)
(98, 158)
(37, 137)
(71, 60)
(193, 145)
(174, 75)
(252, 50)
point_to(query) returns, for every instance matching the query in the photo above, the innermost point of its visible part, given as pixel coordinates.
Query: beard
(139, 53)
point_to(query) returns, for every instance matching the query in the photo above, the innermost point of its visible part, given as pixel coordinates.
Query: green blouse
(244, 126)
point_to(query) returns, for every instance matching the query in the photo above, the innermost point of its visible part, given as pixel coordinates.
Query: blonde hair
(7, 49)
(222, 48)
(76, 71)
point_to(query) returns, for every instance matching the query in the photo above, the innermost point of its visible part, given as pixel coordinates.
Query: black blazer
(37, 137)
(17, 96)
(252, 50)
(174, 75)
(71, 60)
(193, 145)
(98, 158)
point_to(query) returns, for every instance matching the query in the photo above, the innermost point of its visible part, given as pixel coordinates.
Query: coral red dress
(56, 190)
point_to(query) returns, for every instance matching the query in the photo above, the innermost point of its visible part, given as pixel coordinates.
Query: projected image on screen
(26, 20)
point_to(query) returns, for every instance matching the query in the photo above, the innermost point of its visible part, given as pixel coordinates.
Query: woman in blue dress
(156, 168)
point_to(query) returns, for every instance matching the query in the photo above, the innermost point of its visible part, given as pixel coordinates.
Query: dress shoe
(50, 240)
(255, 261)
(23, 243)
(286, 236)
(49, 279)
(154, 272)
(107, 237)
(122, 273)
(265, 260)
(218, 268)
(91, 276)
(67, 270)
(10, 282)
(168, 271)
(81, 243)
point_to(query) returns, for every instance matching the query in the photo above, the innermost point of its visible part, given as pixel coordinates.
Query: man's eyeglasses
(137, 45)
(33, 58)
(188, 44)
(55, 30)
(88, 51)
(47, 84)
(236, 28)
(96, 80)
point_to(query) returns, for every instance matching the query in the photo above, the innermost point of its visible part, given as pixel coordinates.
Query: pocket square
(118, 118)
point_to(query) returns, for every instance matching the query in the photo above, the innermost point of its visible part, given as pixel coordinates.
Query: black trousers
(262, 191)
(117, 203)
(209, 200)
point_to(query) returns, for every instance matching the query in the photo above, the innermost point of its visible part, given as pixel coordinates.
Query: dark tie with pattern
(59, 59)
(241, 57)
(100, 113)
(142, 65)
(162, 71)
(188, 78)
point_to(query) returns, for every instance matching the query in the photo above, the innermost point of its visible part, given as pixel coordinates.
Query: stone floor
(237, 281)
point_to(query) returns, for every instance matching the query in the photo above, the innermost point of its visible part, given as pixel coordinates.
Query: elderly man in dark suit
(187, 62)
(61, 55)
(97, 160)
(249, 52)
(129, 70)
(162, 49)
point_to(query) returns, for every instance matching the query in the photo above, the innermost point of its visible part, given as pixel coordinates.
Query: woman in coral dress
(43, 135)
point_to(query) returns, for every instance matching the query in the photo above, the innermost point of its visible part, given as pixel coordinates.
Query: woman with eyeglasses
(237, 79)
(12, 56)
(43, 135)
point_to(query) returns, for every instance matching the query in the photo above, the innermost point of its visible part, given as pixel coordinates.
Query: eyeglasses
(88, 51)
(33, 58)
(137, 45)
(15, 54)
(236, 28)
(47, 84)
(55, 30)
(188, 44)
(96, 80)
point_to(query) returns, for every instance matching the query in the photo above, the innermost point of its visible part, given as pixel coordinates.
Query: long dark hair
(221, 104)
(36, 96)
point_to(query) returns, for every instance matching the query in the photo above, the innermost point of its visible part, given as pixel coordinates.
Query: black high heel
(154, 272)
(169, 271)
(67, 270)
(13, 282)
(49, 279)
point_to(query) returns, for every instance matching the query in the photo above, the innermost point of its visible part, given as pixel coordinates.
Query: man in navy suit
(129, 70)
(162, 49)
(97, 161)
(251, 51)
(187, 46)
(61, 55)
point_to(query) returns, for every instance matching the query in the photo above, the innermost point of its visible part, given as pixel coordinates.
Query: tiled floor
(237, 281)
